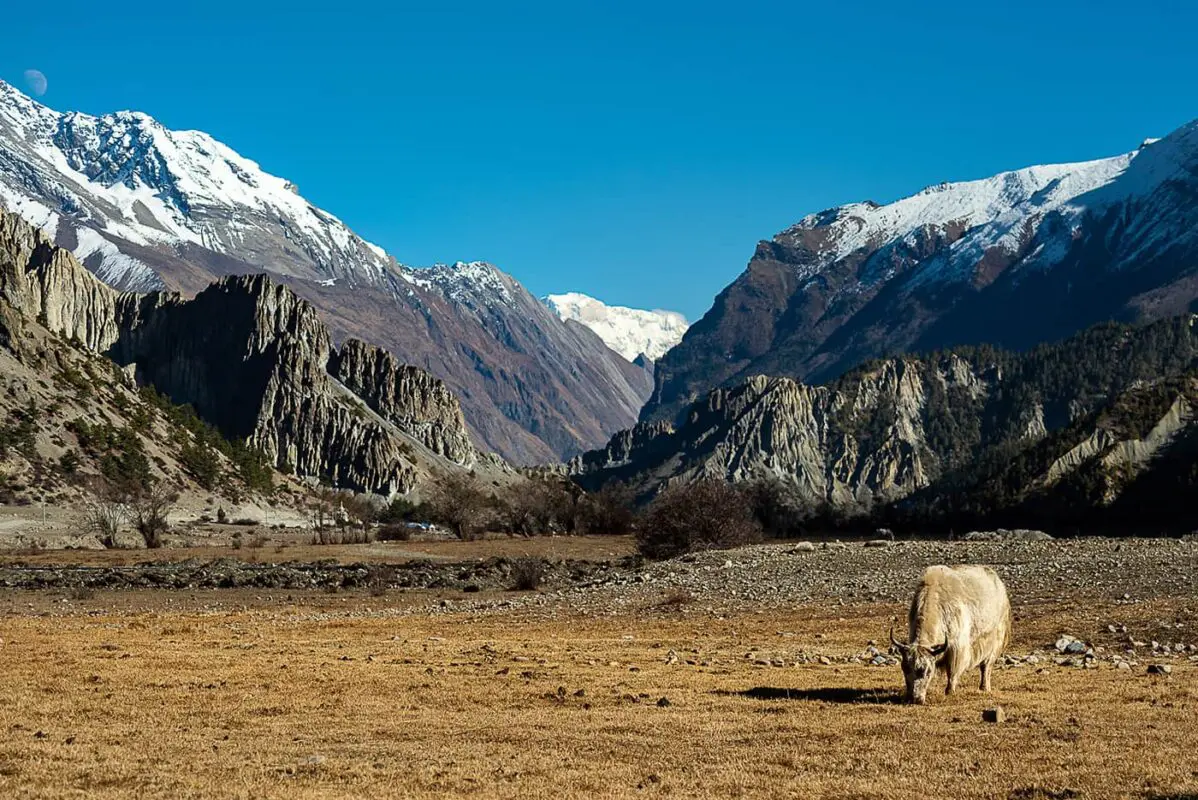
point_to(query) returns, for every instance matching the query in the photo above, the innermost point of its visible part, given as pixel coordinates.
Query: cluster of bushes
(704, 515)
(541, 505)
(118, 452)
(144, 508)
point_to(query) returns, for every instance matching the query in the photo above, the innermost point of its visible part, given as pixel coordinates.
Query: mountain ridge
(146, 208)
(1019, 258)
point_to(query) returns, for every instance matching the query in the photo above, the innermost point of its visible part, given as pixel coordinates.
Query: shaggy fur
(960, 620)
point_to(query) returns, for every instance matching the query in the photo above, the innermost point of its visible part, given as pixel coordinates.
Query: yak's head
(919, 667)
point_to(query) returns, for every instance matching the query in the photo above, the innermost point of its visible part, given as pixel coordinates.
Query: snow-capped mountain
(125, 177)
(1016, 259)
(631, 332)
(145, 207)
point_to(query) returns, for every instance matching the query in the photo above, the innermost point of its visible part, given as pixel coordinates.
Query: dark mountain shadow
(834, 694)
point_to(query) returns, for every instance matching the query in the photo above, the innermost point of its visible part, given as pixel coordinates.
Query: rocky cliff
(936, 425)
(45, 282)
(257, 362)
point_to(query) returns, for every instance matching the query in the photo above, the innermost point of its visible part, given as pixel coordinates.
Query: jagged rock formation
(934, 425)
(146, 208)
(257, 362)
(1014, 260)
(843, 444)
(405, 396)
(45, 282)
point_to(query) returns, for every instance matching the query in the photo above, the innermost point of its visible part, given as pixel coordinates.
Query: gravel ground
(1117, 579)
(762, 576)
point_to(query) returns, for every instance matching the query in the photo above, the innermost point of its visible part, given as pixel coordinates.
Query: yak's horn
(940, 648)
(896, 642)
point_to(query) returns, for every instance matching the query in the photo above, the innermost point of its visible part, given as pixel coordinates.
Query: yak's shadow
(835, 694)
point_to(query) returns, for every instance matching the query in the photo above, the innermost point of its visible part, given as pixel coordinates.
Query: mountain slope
(256, 362)
(1013, 260)
(959, 432)
(631, 332)
(147, 208)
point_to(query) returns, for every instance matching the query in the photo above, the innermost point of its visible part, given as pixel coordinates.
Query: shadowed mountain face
(1055, 433)
(146, 208)
(1014, 260)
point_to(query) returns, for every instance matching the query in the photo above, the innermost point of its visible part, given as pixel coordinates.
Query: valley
(441, 693)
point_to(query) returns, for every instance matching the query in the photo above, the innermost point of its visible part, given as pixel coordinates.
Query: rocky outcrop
(858, 442)
(46, 283)
(951, 424)
(254, 360)
(405, 396)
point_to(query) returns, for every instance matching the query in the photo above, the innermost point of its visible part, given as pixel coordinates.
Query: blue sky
(633, 151)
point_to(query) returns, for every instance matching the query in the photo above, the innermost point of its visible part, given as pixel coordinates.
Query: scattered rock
(995, 714)
(1160, 669)
(1070, 645)
(803, 547)
(664, 703)
(877, 543)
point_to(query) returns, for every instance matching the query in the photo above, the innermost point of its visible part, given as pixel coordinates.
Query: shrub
(527, 573)
(400, 510)
(68, 462)
(537, 506)
(394, 533)
(379, 580)
(104, 513)
(201, 463)
(458, 501)
(148, 511)
(610, 510)
(778, 508)
(706, 515)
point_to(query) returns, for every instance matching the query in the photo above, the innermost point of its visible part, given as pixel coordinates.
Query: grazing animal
(960, 619)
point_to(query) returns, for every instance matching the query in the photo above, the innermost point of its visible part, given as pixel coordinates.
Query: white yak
(960, 619)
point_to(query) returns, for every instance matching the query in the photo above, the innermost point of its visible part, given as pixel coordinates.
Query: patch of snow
(470, 282)
(629, 331)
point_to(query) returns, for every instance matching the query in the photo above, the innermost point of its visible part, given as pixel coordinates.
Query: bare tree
(610, 510)
(537, 506)
(458, 501)
(149, 508)
(106, 510)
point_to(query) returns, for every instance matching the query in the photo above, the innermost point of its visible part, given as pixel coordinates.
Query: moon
(36, 82)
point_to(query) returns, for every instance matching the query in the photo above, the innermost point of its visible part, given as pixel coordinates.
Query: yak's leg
(954, 674)
(987, 673)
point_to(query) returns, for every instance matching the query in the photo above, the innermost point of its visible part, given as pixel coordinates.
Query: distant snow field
(629, 331)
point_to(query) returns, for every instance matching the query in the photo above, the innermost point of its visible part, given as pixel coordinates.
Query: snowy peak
(631, 332)
(1020, 258)
(468, 282)
(985, 213)
(127, 178)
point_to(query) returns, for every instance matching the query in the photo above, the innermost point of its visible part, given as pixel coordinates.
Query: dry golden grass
(316, 700)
